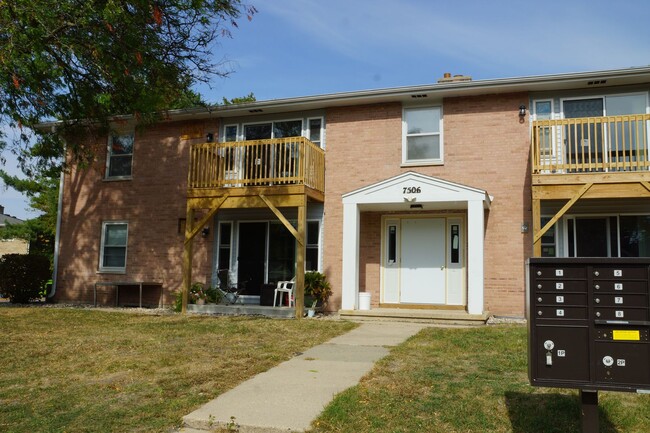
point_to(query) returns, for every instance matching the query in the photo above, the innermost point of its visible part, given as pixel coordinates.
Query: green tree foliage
(79, 61)
(241, 100)
(23, 276)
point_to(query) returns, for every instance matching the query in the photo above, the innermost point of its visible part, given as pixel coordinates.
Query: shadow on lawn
(549, 413)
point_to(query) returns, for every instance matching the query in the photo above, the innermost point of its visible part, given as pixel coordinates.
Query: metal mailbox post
(589, 327)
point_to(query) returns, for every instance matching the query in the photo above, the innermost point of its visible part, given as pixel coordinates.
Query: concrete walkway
(288, 397)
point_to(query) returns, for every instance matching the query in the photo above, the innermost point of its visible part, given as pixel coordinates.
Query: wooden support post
(187, 258)
(300, 261)
(539, 232)
(537, 225)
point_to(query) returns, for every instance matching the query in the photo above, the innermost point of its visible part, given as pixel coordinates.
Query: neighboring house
(427, 197)
(11, 246)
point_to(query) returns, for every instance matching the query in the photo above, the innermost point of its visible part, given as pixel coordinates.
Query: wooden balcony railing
(591, 144)
(280, 161)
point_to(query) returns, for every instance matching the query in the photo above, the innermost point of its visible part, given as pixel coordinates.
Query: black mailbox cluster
(589, 323)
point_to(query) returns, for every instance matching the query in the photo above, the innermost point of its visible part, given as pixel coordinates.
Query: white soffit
(410, 189)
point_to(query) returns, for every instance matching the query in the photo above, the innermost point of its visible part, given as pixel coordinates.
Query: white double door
(423, 261)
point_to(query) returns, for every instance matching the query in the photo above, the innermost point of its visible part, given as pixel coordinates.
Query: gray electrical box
(589, 323)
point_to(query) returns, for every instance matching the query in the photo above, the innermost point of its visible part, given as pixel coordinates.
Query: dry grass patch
(77, 370)
(469, 381)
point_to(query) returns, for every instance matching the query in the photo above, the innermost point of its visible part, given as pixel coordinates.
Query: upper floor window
(120, 155)
(315, 133)
(278, 129)
(422, 136)
(312, 128)
(230, 133)
(113, 246)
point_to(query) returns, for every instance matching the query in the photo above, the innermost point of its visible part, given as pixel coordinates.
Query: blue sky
(308, 47)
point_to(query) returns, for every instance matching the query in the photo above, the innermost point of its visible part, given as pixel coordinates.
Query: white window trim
(307, 131)
(109, 149)
(272, 122)
(112, 269)
(225, 127)
(436, 161)
(603, 96)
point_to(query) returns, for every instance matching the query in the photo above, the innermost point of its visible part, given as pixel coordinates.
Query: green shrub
(317, 287)
(23, 276)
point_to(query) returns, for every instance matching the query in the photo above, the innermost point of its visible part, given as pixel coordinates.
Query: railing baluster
(593, 144)
(290, 160)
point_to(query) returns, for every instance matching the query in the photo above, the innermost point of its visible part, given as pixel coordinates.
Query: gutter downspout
(57, 236)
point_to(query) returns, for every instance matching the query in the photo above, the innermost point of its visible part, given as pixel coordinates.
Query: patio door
(251, 256)
(589, 237)
(584, 141)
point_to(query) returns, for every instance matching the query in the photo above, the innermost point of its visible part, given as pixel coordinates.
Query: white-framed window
(422, 136)
(543, 110)
(275, 129)
(225, 244)
(312, 249)
(230, 133)
(120, 155)
(112, 257)
(315, 130)
(549, 240)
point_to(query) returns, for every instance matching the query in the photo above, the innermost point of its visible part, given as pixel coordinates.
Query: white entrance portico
(424, 236)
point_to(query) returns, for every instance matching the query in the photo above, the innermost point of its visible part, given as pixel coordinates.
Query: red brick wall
(485, 147)
(152, 202)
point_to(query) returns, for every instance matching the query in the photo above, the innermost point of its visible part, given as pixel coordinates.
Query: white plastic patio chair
(282, 288)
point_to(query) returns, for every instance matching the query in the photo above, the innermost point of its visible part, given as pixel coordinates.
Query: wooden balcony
(275, 174)
(281, 162)
(587, 159)
(590, 145)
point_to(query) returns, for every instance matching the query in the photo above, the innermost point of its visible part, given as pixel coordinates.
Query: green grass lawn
(469, 380)
(80, 370)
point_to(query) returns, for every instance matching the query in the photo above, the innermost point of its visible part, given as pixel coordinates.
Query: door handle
(442, 268)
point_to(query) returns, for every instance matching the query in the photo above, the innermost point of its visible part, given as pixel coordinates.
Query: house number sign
(412, 190)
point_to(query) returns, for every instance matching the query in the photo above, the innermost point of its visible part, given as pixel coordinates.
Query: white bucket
(364, 301)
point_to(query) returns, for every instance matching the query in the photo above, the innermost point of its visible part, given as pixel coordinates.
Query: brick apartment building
(427, 197)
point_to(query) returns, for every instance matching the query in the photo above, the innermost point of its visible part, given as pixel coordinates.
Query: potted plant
(317, 288)
(311, 311)
(197, 294)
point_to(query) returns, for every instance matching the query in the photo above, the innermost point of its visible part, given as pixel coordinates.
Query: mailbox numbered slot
(560, 286)
(561, 299)
(620, 272)
(621, 300)
(561, 312)
(562, 272)
(620, 286)
(607, 313)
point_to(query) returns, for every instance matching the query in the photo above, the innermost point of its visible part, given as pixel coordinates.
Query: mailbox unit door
(569, 357)
(626, 363)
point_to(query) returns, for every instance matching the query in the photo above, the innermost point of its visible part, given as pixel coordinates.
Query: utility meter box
(589, 323)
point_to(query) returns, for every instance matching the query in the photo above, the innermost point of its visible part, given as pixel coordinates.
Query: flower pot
(311, 312)
(200, 302)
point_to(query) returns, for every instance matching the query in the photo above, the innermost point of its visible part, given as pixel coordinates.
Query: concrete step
(416, 315)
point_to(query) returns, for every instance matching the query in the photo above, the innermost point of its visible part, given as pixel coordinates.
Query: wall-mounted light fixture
(522, 111)
(205, 232)
(524, 227)
(209, 137)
